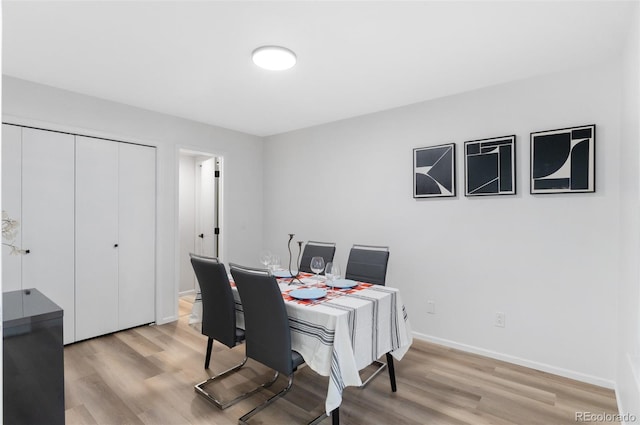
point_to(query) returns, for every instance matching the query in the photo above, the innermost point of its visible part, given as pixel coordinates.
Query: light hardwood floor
(146, 375)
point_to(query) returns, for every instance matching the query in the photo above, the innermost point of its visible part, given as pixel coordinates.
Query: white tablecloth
(343, 334)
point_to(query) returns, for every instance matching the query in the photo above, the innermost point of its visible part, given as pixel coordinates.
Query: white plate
(281, 274)
(342, 283)
(308, 293)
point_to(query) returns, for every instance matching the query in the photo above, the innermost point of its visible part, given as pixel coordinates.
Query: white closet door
(96, 237)
(137, 222)
(11, 195)
(48, 218)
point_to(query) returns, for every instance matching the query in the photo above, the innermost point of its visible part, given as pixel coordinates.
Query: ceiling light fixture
(274, 58)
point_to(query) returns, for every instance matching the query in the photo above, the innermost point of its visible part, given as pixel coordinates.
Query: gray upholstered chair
(218, 319)
(312, 249)
(368, 263)
(267, 328)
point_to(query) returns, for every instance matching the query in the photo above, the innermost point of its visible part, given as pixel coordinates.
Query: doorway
(199, 212)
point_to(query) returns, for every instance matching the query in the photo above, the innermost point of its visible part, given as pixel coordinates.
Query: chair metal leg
(213, 399)
(381, 367)
(207, 357)
(246, 416)
(335, 415)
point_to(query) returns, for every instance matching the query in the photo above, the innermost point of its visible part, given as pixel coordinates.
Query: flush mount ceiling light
(274, 58)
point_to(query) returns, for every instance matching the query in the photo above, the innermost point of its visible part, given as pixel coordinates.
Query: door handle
(201, 235)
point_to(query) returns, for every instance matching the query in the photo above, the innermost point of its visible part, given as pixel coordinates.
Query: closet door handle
(27, 251)
(115, 245)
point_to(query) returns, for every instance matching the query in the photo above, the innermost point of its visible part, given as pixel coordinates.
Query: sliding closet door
(137, 226)
(47, 225)
(11, 201)
(96, 237)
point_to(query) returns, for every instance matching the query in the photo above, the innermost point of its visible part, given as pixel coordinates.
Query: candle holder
(294, 277)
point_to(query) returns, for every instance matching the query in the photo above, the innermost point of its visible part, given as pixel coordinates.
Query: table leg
(392, 372)
(335, 416)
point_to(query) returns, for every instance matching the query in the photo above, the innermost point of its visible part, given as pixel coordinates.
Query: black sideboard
(33, 359)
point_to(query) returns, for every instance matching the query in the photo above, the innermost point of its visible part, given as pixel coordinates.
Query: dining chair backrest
(368, 263)
(218, 306)
(312, 249)
(268, 337)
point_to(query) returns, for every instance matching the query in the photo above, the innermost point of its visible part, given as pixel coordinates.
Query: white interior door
(96, 237)
(136, 241)
(11, 195)
(199, 205)
(206, 207)
(48, 218)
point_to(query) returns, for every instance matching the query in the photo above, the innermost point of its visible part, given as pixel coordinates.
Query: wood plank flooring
(146, 376)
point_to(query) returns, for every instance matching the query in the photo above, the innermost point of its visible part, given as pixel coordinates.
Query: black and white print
(434, 171)
(490, 166)
(563, 161)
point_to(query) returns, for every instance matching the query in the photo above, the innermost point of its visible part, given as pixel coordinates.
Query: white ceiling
(192, 58)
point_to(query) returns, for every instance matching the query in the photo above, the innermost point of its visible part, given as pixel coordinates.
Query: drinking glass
(275, 263)
(265, 258)
(328, 271)
(332, 271)
(317, 265)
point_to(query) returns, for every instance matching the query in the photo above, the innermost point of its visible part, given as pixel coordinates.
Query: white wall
(187, 220)
(24, 102)
(628, 361)
(549, 262)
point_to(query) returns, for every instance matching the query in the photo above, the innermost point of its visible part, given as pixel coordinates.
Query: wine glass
(275, 262)
(328, 271)
(317, 265)
(332, 271)
(265, 258)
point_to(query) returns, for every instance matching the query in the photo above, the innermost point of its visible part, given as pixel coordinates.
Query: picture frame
(490, 166)
(434, 171)
(564, 160)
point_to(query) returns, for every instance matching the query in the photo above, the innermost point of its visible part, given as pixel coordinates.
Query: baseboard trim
(629, 418)
(167, 319)
(567, 373)
(634, 365)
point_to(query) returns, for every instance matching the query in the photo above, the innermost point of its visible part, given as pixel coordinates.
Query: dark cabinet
(33, 359)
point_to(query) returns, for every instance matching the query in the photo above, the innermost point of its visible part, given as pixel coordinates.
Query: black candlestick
(289, 247)
(294, 277)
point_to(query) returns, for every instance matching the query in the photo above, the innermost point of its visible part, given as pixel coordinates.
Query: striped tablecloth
(344, 332)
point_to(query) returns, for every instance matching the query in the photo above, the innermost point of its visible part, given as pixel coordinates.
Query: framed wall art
(564, 161)
(434, 171)
(490, 166)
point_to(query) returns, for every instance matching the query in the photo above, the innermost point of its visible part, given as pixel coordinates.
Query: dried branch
(9, 233)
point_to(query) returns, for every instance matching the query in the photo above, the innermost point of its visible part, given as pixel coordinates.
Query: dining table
(340, 331)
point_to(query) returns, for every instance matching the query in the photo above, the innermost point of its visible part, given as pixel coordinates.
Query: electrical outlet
(499, 319)
(431, 307)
